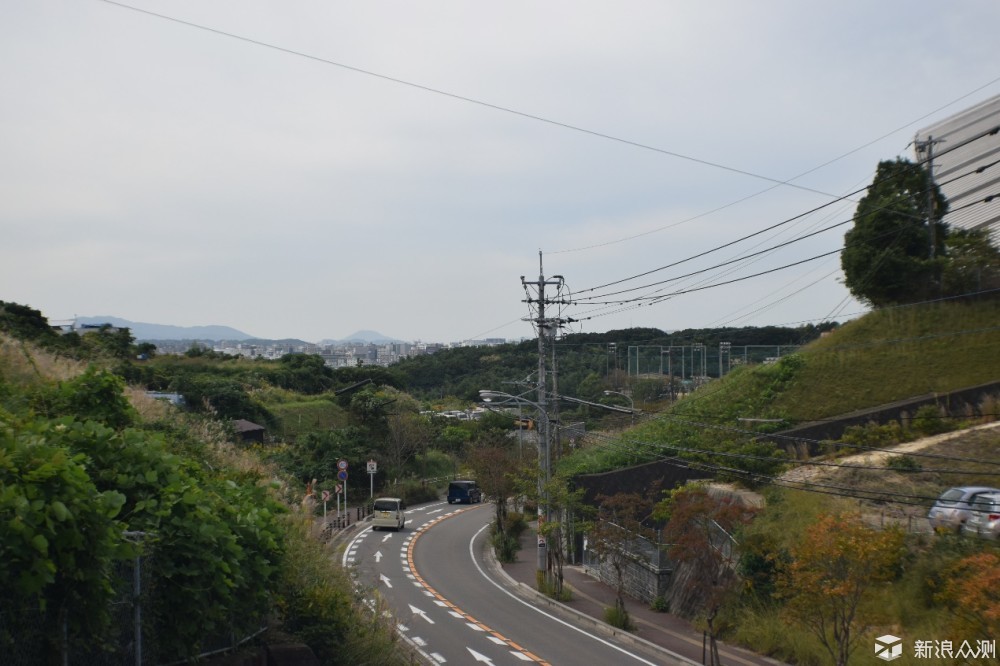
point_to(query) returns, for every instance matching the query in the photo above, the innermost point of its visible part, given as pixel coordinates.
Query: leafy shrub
(660, 604)
(904, 464)
(505, 546)
(58, 533)
(95, 395)
(433, 465)
(929, 420)
(618, 617)
(515, 524)
(217, 541)
(317, 604)
(873, 435)
(414, 492)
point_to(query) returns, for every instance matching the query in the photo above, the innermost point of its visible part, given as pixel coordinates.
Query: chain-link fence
(30, 636)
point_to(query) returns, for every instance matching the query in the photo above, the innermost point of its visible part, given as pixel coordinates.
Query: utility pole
(928, 147)
(545, 327)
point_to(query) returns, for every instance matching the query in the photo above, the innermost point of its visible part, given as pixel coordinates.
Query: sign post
(326, 498)
(342, 475)
(372, 468)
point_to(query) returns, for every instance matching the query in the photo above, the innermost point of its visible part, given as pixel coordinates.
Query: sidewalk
(672, 639)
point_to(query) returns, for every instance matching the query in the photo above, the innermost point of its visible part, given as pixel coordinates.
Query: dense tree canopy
(887, 255)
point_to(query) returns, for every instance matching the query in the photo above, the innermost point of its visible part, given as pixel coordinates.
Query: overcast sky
(306, 169)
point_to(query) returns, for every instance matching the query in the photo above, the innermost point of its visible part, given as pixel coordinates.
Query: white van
(388, 513)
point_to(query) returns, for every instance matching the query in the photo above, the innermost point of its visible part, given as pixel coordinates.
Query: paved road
(432, 578)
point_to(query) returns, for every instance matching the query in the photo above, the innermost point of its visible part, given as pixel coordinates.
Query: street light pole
(543, 462)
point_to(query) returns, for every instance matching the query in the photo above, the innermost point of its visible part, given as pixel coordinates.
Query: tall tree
(973, 264)
(497, 469)
(700, 528)
(620, 523)
(838, 564)
(887, 255)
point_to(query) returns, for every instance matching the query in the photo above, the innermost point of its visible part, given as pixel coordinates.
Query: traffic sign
(339, 488)
(326, 495)
(342, 464)
(372, 466)
(342, 475)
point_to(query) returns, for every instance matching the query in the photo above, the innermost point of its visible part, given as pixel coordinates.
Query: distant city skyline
(221, 332)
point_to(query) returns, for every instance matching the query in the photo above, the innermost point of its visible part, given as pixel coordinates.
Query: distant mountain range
(146, 331)
(362, 336)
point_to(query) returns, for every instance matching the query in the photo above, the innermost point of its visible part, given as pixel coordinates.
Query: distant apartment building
(334, 356)
(966, 149)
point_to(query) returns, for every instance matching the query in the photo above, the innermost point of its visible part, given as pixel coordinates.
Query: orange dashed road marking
(437, 595)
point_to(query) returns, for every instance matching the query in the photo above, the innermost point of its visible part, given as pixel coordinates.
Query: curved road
(433, 579)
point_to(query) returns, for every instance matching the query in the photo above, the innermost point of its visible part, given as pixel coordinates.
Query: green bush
(660, 604)
(96, 395)
(58, 535)
(873, 435)
(318, 604)
(217, 541)
(515, 524)
(930, 420)
(433, 465)
(414, 492)
(505, 546)
(904, 464)
(618, 617)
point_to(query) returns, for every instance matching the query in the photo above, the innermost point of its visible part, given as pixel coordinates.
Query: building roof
(242, 425)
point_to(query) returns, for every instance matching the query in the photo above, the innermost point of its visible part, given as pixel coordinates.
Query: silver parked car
(953, 508)
(984, 517)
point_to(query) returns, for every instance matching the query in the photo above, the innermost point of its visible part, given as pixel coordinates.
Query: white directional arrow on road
(417, 611)
(480, 657)
(378, 556)
(385, 579)
(386, 538)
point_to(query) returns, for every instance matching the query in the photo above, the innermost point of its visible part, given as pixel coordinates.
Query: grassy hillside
(298, 414)
(895, 354)
(882, 357)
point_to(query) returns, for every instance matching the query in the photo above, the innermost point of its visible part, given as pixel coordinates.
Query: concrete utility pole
(545, 327)
(928, 147)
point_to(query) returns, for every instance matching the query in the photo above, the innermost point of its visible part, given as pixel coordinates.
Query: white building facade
(966, 165)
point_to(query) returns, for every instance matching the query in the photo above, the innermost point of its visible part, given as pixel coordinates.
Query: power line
(638, 447)
(766, 190)
(469, 100)
(789, 220)
(654, 299)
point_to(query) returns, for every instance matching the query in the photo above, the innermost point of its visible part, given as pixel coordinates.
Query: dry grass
(26, 365)
(969, 458)
(23, 363)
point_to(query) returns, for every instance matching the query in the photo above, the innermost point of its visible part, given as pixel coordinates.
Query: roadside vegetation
(75, 410)
(94, 475)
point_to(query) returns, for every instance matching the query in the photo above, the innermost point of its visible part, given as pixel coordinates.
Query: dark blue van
(464, 492)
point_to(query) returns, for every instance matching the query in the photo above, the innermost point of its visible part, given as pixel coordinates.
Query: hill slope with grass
(883, 357)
